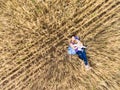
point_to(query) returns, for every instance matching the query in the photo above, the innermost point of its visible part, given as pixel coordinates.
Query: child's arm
(80, 44)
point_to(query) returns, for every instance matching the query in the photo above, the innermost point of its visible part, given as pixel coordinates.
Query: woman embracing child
(76, 47)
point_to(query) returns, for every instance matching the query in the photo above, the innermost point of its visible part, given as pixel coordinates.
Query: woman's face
(73, 38)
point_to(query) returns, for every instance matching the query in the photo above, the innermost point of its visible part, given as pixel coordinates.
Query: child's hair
(76, 37)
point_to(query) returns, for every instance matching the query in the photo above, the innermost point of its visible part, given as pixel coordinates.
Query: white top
(78, 46)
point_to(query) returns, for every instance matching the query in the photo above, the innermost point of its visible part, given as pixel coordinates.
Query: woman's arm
(74, 47)
(71, 45)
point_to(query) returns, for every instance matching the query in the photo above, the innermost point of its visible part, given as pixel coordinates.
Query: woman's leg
(79, 53)
(82, 55)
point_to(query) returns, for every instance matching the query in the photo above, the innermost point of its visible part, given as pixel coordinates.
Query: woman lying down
(76, 47)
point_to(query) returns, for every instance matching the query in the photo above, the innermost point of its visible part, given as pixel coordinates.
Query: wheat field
(34, 39)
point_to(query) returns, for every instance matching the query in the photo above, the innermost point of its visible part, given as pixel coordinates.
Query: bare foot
(87, 67)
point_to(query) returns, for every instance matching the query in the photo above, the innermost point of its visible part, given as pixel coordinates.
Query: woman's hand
(75, 47)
